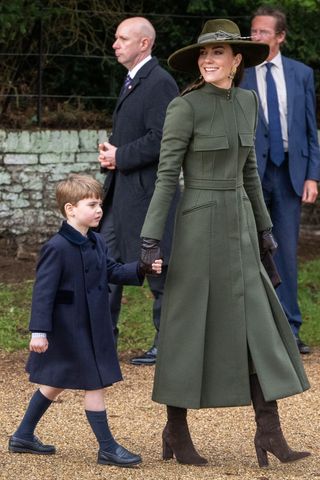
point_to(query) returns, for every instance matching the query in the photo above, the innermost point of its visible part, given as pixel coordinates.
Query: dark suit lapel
(142, 73)
(121, 97)
(289, 76)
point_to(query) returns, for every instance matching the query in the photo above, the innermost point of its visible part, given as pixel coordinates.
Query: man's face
(128, 44)
(263, 29)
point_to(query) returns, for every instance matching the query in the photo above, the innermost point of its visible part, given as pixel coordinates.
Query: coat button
(86, 270)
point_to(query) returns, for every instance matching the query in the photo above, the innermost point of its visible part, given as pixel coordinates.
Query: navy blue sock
(38, 405)
(99, 424)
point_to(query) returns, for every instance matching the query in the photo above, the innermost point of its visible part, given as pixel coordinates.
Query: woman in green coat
(224, 338)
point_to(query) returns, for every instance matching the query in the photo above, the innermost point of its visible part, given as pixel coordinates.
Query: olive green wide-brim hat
(217, 32)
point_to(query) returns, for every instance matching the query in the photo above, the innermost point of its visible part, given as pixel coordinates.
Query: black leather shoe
(148, 358)
(120, 458)
(303, 348)
(18, 445)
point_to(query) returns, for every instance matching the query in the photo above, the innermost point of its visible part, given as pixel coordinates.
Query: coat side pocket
(65, 297)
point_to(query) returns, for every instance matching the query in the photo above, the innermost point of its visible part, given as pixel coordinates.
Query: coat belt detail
(206, 184)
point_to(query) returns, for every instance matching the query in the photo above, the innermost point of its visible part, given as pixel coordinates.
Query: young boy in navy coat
(72, 344)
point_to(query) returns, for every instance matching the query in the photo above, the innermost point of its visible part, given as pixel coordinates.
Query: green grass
(136, 327)
(136, 330)
(14, 315)
(309, 300)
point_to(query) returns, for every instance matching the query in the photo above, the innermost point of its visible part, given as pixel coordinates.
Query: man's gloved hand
(150, 251)
(267, 242)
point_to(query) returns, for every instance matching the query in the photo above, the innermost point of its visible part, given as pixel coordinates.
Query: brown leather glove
(267, 243)
(150, 251)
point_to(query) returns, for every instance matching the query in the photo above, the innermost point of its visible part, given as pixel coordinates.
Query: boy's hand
(38, 345)
(157, 266)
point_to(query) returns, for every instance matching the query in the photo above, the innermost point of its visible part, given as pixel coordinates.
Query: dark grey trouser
(156, 284)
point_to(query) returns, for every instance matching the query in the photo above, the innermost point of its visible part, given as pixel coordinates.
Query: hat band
(220, 35)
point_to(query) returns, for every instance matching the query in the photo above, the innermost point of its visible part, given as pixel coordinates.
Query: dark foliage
(76, 75)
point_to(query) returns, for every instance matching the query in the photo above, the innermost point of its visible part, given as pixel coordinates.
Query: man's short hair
(277, 13)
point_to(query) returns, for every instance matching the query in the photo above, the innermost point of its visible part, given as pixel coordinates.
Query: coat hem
(195, 404)
(74, 387)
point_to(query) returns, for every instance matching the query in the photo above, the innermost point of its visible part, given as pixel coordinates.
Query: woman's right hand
(150, 251)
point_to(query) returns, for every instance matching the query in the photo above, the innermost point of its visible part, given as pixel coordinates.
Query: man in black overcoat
(130, 159)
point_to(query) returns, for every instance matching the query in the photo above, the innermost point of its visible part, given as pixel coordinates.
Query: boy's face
(86, 213)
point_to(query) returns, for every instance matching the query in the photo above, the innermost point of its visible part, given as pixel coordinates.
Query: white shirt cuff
(38, 335)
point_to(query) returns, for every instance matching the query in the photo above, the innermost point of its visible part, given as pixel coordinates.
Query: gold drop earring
(233, 72)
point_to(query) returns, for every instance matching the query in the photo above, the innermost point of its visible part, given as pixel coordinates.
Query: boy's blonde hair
(75, 188)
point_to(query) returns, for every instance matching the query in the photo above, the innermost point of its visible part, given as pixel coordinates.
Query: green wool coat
(221, 318)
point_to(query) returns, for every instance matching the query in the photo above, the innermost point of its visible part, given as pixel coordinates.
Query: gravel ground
(224, 436)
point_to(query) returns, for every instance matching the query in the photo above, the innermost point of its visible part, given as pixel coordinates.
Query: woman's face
(216, 63)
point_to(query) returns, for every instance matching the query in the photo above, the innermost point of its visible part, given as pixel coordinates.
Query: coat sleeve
(177, 132)
(45, 289)
(145, 149)
(123, 274)
(313, 171)
(252, 184)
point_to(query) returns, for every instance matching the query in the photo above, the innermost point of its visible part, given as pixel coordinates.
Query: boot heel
(167, 452)
(262, 456)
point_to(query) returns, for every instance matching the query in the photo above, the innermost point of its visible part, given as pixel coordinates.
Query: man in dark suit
(130, 159)
(289, 166)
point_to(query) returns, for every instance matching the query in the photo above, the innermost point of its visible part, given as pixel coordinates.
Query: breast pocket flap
(208, 143)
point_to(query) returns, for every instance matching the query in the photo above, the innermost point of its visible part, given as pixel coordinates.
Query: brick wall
(31, 163)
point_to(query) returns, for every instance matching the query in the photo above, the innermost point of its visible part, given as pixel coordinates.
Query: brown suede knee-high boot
(176, 439)
(269, 436)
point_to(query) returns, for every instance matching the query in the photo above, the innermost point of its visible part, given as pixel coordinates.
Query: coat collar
(146, 69)
(132, 73)
(222, 92)
(73, 236)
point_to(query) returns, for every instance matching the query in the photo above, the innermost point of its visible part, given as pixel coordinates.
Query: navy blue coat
(71, 304)
(136, 132)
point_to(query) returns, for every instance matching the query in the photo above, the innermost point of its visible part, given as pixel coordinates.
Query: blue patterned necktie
(127, 82)
(125, 86)
(275, 135)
